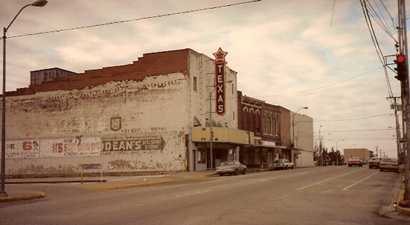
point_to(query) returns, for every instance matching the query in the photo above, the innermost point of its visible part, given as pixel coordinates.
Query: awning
(221, 135)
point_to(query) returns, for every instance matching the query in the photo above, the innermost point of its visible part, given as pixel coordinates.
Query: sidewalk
(114, 183)
(20, 196)
(119, 182)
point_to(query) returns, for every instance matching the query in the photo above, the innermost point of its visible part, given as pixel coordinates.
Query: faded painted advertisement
(78, 146)
(42, 148)
(22, 149)
(134, 143)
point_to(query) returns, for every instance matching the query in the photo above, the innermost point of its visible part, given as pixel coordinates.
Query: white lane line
(326, 180)
(359, 181)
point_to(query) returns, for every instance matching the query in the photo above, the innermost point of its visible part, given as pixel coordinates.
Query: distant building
(361, 153)
(38, 77)
(302, 139)
(272, 127)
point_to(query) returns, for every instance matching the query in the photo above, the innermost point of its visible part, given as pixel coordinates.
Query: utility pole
(398, 135)
(211, 135)
(403, 72)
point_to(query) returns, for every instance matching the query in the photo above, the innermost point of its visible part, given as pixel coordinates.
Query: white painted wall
(54, 132)
(71, 127)
(303, 138)
(203, 68)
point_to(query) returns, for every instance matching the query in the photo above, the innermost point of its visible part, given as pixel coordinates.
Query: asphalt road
(330, 195)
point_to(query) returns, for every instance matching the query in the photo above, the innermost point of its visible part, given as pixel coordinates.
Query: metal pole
(3, 121)
(211, 136)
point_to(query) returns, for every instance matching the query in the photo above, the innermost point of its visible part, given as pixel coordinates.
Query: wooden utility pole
(402, 48)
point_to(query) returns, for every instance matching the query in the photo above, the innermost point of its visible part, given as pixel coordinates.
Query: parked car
(231, 167)
(389, 165)
(374, 163)
(282, 164)
(355, 162)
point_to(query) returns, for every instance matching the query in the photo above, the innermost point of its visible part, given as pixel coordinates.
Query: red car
(354, 162)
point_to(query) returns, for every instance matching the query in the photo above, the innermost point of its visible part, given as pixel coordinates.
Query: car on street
(354, 161)
(231, 167)
(389, 165)
(282, 164)
(374, 163)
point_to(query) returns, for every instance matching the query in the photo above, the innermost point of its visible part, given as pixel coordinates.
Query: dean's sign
(220, 80)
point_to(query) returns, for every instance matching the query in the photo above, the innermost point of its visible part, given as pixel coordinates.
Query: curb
(21, 197)
(116, 186)
(56, 182)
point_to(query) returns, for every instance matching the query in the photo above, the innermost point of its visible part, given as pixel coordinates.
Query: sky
(294, 53)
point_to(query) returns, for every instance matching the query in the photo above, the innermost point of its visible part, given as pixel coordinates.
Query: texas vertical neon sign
(220, 81)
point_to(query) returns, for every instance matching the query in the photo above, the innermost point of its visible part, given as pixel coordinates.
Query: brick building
(168, 111)
(270, 125)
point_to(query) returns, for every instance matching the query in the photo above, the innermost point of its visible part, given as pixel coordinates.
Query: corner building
(138, 117)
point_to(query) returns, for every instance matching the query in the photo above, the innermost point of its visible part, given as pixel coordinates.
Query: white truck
(282, 164)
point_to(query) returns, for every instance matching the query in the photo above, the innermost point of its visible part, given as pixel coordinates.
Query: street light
(37, 3)
(293, 128)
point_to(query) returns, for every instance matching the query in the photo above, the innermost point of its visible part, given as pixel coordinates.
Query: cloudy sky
(292, 53)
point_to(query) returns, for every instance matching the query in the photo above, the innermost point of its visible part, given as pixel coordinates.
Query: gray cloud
(284, 51)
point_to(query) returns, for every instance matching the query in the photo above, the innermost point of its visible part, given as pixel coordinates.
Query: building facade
(134, 117)
(302, 139)
(168, 111)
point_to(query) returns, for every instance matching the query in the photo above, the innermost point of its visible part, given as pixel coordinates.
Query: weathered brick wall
(124, 125)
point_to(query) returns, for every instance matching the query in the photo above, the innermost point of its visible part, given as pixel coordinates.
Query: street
(328, 195)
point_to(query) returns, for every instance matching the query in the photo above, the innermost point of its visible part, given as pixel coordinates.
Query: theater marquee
(220, 80)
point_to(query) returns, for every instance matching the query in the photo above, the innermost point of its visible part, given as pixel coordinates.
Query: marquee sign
(220, 80)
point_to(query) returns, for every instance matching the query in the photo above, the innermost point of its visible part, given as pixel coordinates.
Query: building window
(269, 125)
(195, 85)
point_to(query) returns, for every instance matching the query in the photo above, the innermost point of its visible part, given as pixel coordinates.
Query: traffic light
(401, 68)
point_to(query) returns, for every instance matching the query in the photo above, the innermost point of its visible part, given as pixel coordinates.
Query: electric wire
(132, 20)
(376, 44)
(354, 118)
(389, 14)
(362, 130)
(380, 21)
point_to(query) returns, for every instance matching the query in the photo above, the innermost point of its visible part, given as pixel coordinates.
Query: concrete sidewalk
(119, 182)
(114, 183)
(20, 196)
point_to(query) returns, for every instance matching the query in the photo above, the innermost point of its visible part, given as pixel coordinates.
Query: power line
(376, 45)
(133, 20)
(349, 119)
(361, 130)
(388, 12)
(358, 118)
(319, 88)
(380, 21)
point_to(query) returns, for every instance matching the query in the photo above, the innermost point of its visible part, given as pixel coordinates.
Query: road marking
(359, 181)
(326, 180)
